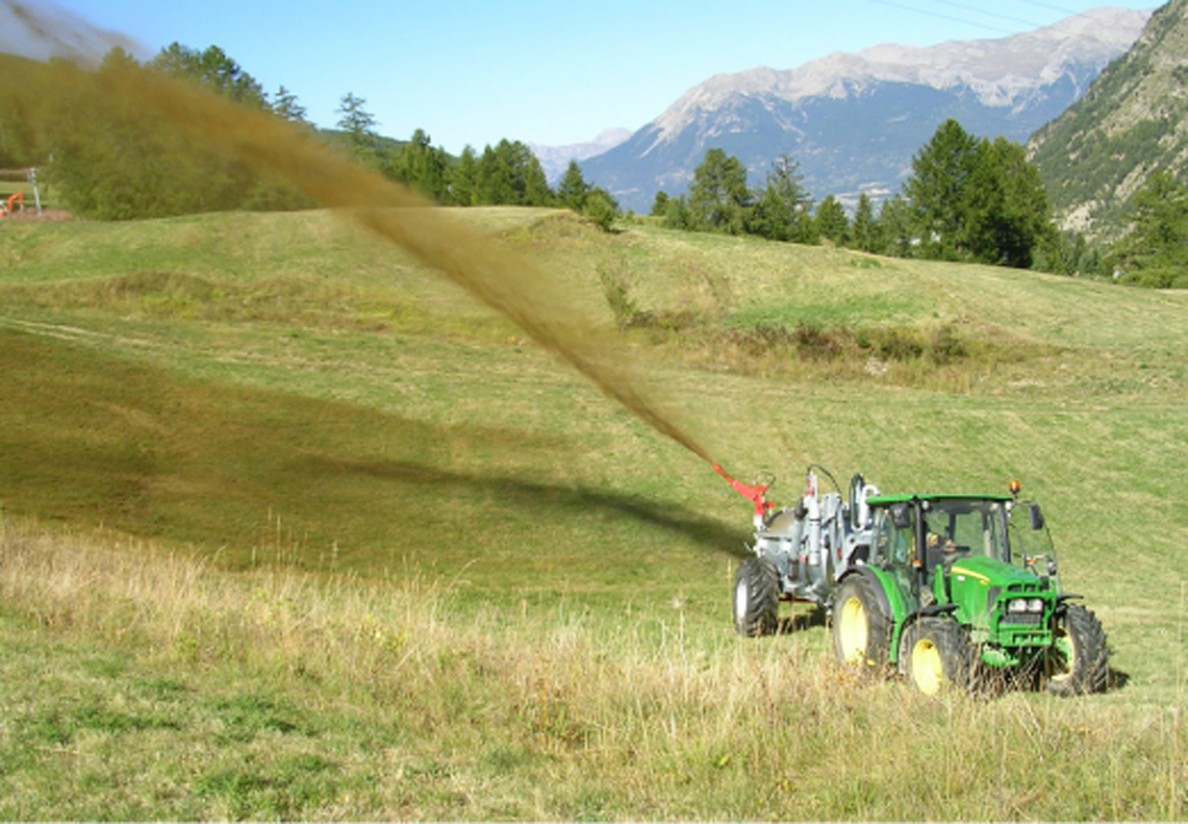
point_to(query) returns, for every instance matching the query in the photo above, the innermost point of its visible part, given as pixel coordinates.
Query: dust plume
(500, 278)
(44, 33)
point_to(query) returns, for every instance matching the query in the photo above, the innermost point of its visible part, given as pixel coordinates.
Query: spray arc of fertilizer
(503, 280)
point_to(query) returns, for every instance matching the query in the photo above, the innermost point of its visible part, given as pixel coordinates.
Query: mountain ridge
(1133, 122)
(554, 160)
(815, 112)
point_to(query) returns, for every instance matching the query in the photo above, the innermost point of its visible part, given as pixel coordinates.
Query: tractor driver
(947, 549)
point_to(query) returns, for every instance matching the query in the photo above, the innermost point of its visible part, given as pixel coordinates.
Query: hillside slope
(741, 337)
(1133, 121)
(294, 527)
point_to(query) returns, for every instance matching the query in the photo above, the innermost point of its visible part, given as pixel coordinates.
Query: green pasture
(263, 392)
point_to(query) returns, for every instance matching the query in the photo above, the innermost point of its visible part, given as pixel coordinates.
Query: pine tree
(1155, 252)
(970, 199)
(359, 125)
(719, 199)
(781, 212)
(511, 175)
(462, 179)
(573, 190)
(897, 228)
(420, 166)
(832, 222)
(1009, 214)
(211, 68)
(939, 188)
(659, 204)
(286, 107)
(865, 230)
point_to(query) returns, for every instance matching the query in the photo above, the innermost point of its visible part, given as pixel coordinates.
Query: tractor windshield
(952, 528)
(1031, 543)
(963, 527)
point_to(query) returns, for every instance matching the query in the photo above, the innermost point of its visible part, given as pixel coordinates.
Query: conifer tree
(864, 233)
(1155, 252)
(832, 222)
(719, 199)
(573, 190)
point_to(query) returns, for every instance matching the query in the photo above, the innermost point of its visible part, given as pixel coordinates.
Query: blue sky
(545, 71)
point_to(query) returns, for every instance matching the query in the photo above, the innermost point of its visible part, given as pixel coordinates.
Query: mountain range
(554, 160)
(852, 122)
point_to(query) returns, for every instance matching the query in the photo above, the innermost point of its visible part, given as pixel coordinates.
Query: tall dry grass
(571, 716)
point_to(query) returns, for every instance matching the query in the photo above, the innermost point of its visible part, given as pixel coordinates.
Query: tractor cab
(914, 536)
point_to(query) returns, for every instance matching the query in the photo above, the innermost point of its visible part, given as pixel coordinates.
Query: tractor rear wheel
(1079, 659)
(860, 630)
(756, 597)
(935, 655)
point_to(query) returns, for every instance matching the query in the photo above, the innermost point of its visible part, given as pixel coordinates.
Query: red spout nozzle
(753, 493)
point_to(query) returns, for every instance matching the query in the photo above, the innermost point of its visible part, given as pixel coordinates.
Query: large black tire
(756, 597)
(1079, 661)
(861, 633)
(935, 655)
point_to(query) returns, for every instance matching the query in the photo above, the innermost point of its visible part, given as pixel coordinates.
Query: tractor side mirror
(1037, 516)
(901, 515)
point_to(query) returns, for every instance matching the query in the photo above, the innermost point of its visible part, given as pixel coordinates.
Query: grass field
(294, 527)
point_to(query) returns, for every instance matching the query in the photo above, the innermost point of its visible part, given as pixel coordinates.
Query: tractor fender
(937, 609)
(929, 611)
(890, 600)
(882, 584)
(1062, 602)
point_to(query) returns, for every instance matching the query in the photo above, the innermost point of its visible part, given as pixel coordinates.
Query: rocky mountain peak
(999, 71)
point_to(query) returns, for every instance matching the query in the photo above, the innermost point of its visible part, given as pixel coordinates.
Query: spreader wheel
(756, 597)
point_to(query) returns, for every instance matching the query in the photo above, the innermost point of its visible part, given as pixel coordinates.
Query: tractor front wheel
(935, 655)
(756, 597)
(860, 631)
(1079, 659)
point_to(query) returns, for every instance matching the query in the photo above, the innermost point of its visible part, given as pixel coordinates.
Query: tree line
(116, 160)
(967, 199)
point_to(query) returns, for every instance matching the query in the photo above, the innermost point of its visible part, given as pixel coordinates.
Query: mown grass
(271, 418)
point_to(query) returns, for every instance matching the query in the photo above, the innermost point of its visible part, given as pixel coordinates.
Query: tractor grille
(1027, 618)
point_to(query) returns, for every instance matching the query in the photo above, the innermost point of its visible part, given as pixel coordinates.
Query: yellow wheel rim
(927, 670)
(1066, 655)
(851, 631)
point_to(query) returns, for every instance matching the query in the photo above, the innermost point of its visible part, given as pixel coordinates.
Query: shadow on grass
(696, 530)
(203, 463)
(1116, 680)
(801, 621)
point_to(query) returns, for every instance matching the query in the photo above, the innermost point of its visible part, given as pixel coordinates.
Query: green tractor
(950, 590)
(959, 589)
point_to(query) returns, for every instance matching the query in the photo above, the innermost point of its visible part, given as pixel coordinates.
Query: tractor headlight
(1016, 605)
(1020, 606)
(1035, 605)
